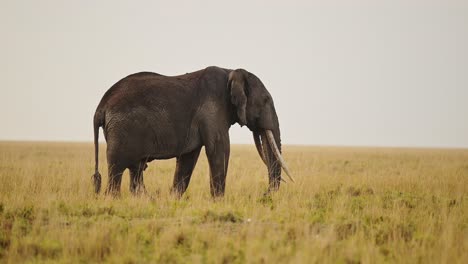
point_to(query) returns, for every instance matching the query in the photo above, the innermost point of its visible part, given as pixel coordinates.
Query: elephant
(148, 116)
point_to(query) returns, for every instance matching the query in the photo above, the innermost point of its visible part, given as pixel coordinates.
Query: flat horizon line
(252, 144)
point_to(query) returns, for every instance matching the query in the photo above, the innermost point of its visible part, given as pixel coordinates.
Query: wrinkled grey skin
(147, 116)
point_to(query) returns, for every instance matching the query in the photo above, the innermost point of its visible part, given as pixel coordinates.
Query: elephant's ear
(237, 83)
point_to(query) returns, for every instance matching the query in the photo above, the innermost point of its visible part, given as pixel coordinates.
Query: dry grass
(349, 205)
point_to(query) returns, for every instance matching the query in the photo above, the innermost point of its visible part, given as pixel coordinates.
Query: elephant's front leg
(217, 152)
(185, 165)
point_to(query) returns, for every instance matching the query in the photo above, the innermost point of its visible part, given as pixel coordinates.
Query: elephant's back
(149, 89)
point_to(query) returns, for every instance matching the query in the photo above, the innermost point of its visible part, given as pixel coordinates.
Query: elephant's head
(255, 109)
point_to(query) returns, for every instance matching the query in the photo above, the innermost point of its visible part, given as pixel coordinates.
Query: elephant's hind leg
(185, 165)
(115, 179)
(137, 186)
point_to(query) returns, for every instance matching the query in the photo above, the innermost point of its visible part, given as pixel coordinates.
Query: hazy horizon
(367, 73)
(250, 144)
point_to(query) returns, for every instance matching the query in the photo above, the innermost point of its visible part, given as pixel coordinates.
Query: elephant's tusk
(271, 140)
(258, 144)
(266, 150)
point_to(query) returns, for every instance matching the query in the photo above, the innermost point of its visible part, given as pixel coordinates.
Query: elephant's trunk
(268, 144)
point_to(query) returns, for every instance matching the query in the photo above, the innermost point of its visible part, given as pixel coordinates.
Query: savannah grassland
(348, 205)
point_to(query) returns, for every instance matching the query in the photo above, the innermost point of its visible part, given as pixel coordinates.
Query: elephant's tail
(98, 122)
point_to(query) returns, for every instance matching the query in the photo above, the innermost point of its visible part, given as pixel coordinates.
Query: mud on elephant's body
(147, 116)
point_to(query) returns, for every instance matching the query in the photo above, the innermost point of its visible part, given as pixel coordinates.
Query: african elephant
(147, 116)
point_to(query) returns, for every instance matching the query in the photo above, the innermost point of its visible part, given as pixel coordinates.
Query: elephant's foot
(139, 190)
(112, 191)
(217, 190)
(177, 192)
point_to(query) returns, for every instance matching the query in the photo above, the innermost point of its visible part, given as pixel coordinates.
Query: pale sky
(365, 73)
